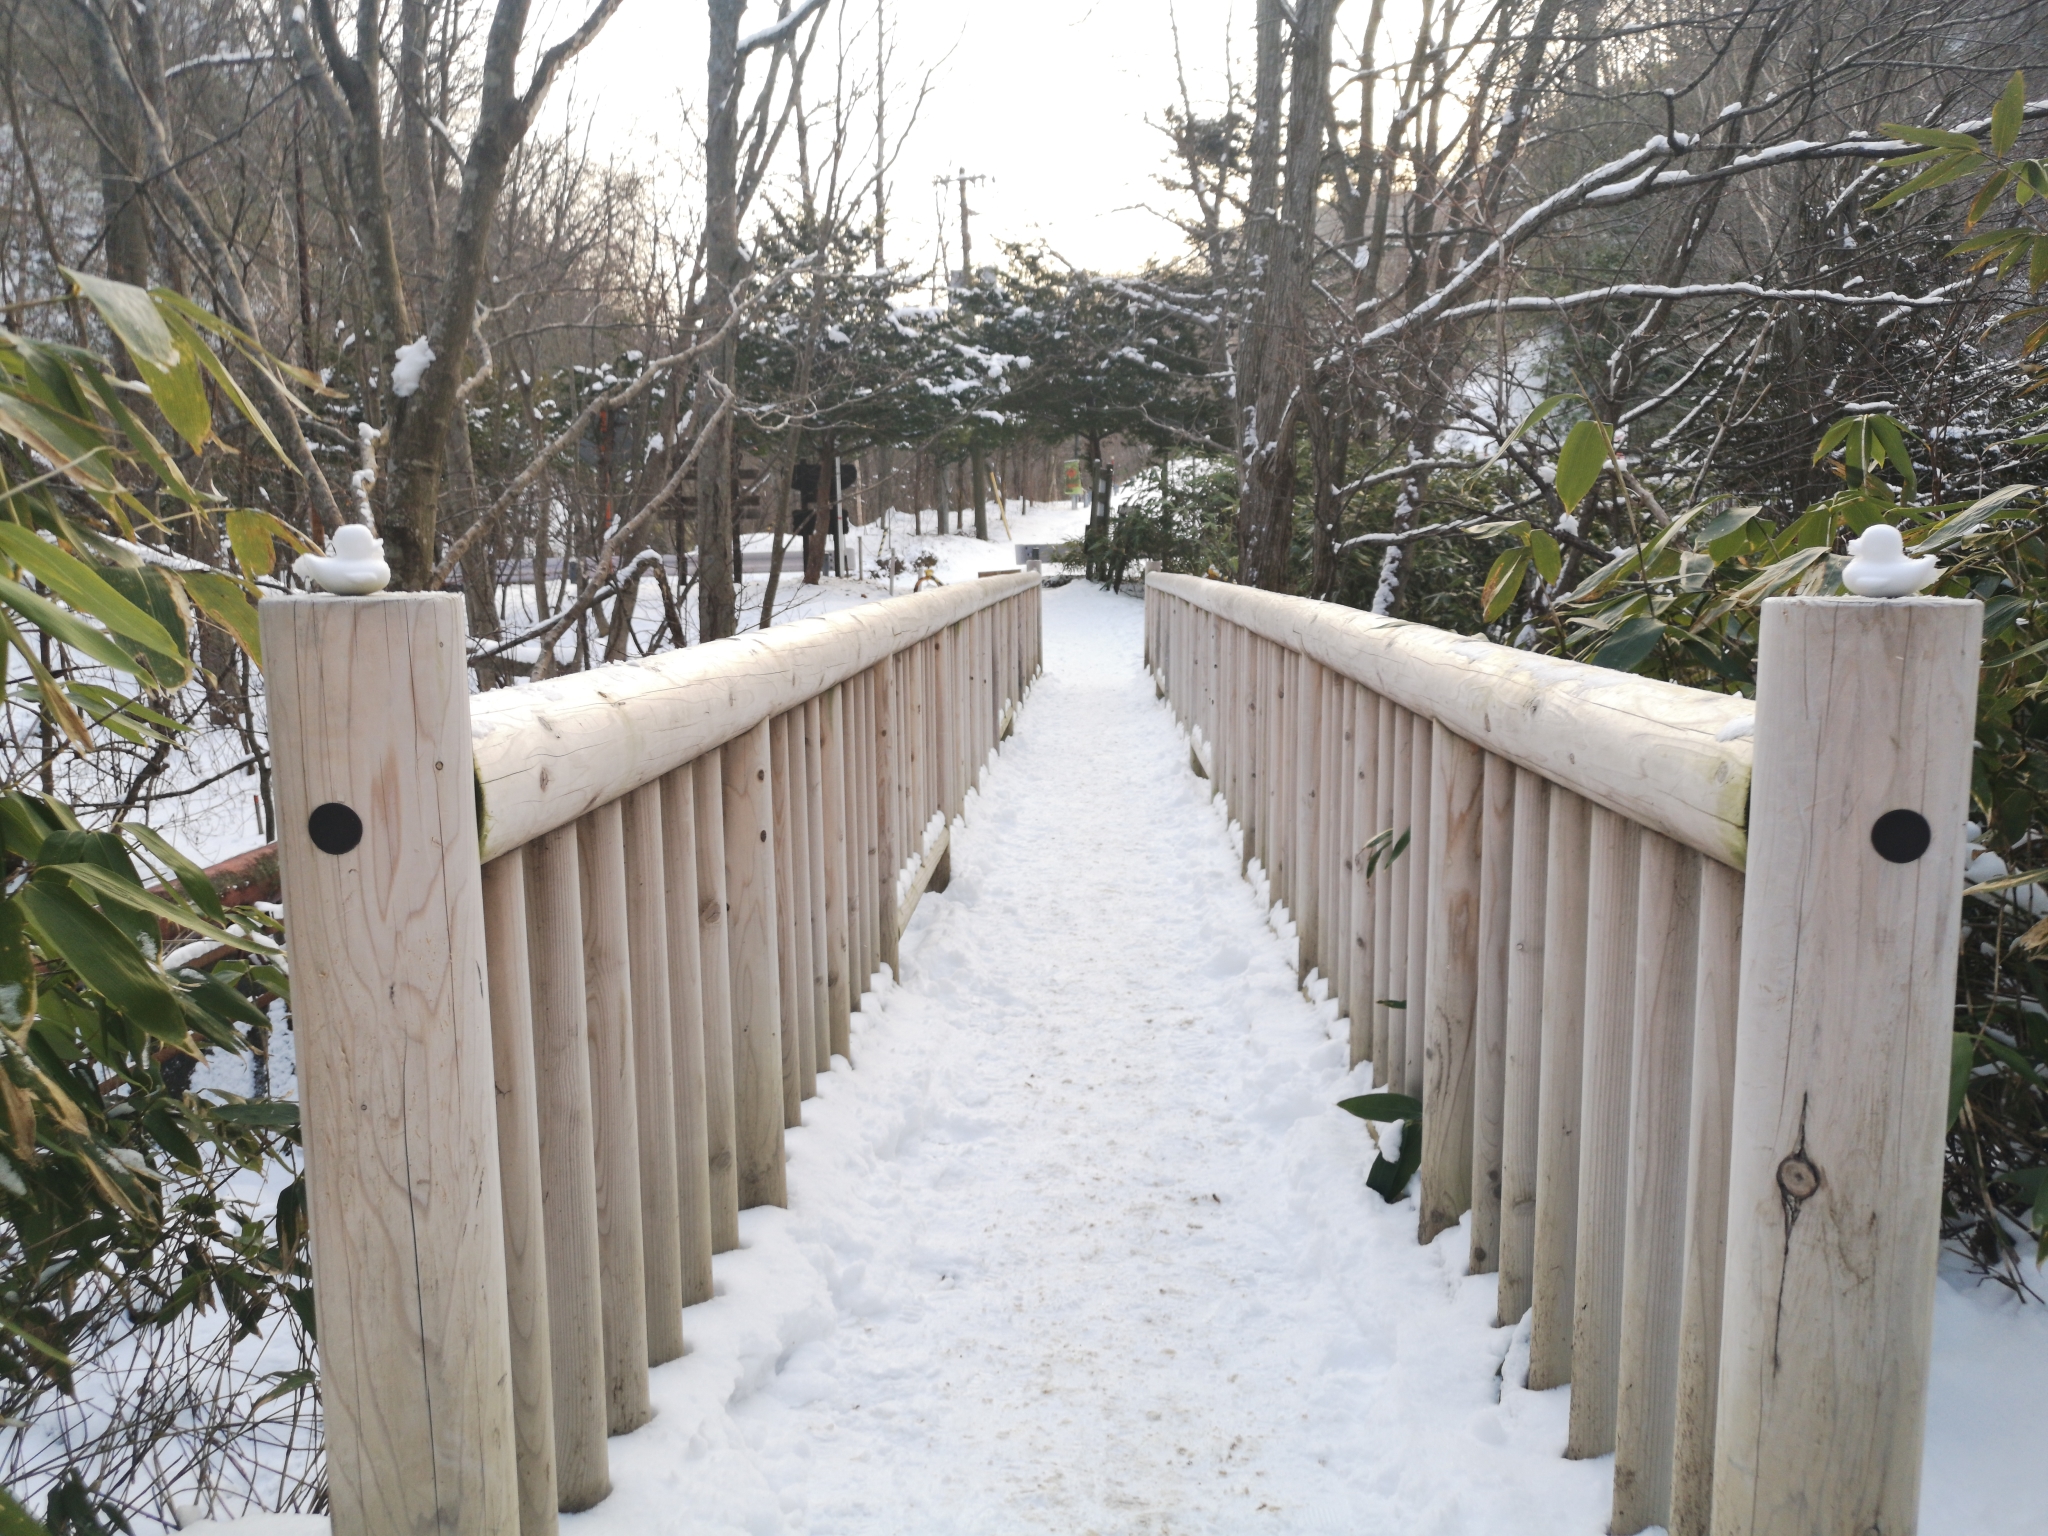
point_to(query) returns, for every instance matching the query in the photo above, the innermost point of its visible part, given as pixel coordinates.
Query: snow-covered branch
(774, 33)
(1547, 303)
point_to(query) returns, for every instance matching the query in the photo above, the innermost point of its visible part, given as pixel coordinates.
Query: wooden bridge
(1670, 972)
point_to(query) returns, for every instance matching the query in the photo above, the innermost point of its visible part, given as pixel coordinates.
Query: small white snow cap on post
(1880, 567)
(353, 566)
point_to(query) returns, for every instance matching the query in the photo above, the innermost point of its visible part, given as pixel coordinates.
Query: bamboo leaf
(1504, 581)
(2009, 114)
(84, 589)
(104, 958)
(1546, 556)
(1938, 175)
(1934, 138)
(67, 628)
(1581, 459)
(131, 315)
(1966, 522)
(1986, 196)
(226, 602)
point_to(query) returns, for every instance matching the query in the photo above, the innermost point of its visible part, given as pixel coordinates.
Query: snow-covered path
(1083, 1246)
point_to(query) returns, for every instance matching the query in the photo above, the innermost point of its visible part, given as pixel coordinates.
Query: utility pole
(979, 465)
(884, 469)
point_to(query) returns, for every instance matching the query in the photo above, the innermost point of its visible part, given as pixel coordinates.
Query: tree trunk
(717, 517)
(980, 495)
(123, 216)
(1273, 360)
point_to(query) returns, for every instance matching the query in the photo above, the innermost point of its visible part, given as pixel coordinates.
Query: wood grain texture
(368, 702)
(519, 1170)
(1451, 980)
(568, 1159)
(1306, 746)
(792, 941)
(751, 936)
(654, 1070)
(1614, 869)
(889, 832)
(838, 842)
(1653, 1257)
(1521, 1073)
(1649, 751)
(714, 955)
(1358, 827)
(1421, 861)
(816, 898)
(1561, 1079)
(1706, 1199)
(1490, 1011)
(615, 1118)
(549, 752)
(1380, 889)
(686, 1035)
(1396, 872)
(1864, 706)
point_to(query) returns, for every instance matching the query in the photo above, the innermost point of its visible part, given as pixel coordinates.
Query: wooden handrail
(1655, 752)
(548, 753)
(1694, 1107)
(616, 990)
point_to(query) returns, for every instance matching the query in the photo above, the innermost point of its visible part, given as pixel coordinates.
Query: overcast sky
(1048, 99)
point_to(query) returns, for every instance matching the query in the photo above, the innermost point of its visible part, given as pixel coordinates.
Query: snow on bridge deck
(1084, 1246)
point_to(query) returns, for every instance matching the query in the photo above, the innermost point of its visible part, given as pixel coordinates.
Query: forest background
(1587, 324)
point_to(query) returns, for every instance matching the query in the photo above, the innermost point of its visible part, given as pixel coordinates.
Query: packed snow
(1082, 1243)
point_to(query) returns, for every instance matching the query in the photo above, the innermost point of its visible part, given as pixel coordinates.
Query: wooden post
(861, 779)
(817, 901)
(946, 647)
(1561, 1080)
(370, 712)
(1457, 795)
(1864, 723)
(839, 840)
(526, 1274)
(792, 941)
(1490, 1011)
(1614, 867)
(721, 1026)
(1422, 863)
(888, 818)
(686, 1049)
(1395, 872)
(614, 1100)
(654, 1070)
(1521, 1093)
(568, 1159)
(1307, 747)
(1706, 1197)
(1365, 937)
(1653, 1259)
(756, 970)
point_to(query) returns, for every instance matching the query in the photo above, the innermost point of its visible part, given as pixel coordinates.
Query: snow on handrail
(1667, 757)
(547, 753)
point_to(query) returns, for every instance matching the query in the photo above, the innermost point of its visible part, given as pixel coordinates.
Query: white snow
(1083, 1243)
(410, 367)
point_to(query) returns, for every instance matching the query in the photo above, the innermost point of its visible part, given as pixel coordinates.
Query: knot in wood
(1798, 1177)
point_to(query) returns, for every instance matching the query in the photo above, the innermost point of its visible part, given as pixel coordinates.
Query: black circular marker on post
(334, 828)
(1901, 836)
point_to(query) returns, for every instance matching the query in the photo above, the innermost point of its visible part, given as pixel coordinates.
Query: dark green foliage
(117, 1215)
(1389, 1179)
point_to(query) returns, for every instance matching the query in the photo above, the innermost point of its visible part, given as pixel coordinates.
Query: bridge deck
(1083, 1244)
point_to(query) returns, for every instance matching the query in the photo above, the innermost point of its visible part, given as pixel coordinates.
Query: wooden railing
(565, 960)
(1672, 974)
